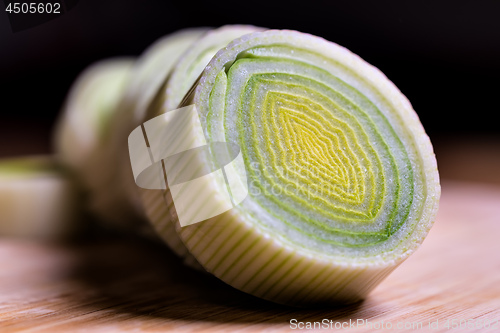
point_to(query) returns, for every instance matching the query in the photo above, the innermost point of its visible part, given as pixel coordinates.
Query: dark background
(443, 55)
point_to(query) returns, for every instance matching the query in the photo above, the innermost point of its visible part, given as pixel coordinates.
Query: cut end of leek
(343, 181)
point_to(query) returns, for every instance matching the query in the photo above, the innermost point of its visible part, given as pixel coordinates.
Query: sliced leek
(37, 199)
(82, 136)
(343, 182)
(143, 93)
(186, 71)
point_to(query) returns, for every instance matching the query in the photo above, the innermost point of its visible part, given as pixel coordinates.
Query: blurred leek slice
(82, 136)
(152, 70)
(147, 80)
(343, 181)
(183, 76)
(102, 108)
(37, 199)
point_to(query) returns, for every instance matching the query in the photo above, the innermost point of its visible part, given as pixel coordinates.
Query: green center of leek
(319, 156)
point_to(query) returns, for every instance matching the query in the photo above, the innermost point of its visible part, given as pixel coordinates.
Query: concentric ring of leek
(331, 160)
(193, 61)
(339, 166)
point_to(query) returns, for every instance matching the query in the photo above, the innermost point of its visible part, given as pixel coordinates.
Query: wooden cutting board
(111, 285)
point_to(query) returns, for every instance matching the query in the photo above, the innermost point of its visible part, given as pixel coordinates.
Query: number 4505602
(33, 7)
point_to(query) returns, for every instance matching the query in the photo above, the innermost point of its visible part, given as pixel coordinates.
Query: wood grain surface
(112, 285)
